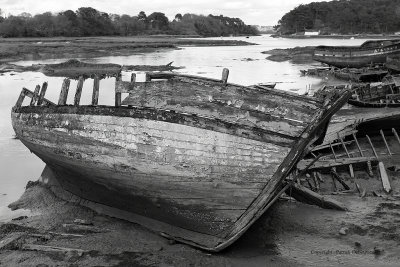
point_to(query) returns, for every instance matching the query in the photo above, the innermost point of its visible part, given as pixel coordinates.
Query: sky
(253, 12)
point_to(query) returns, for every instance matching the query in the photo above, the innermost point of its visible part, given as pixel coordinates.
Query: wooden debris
(308, 196)
(82, 228)
(66, 235)
(10, 240)
(44, 248)
(82, 222)
(384, 177)
(340, 180)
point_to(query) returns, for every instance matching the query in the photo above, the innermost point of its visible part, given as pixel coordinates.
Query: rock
(344, 230)
(377, 251)
(20, 218)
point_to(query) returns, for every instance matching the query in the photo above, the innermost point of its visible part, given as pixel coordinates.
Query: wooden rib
(62, 100)
(95, 95)
(395, 134)
(35, 95)
(372, 146)
(369, 167)
(78, 92)
(42, 94)
(386, 144)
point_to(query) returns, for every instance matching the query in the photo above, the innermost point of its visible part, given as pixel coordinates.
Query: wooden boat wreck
(370, 52)
(377, 95)
(359, 140)
(196, 159)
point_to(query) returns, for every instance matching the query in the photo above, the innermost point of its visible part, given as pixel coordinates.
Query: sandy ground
(290, 233)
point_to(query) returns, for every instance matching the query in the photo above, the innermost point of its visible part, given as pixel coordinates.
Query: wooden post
(148, 78)
(78, 93)
(42, 94)
(35, 95)
(225, 74)
(95, 96)
(62, 100)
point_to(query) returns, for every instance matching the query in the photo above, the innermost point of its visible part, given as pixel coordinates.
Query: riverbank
(16, 49)
(339, 36)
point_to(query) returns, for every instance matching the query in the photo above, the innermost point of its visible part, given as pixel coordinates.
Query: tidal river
(247, 66)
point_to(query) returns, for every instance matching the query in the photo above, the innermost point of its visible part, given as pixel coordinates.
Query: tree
(178, 17)
(158, 21)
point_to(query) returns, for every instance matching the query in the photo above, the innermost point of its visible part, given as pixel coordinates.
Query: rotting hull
(199, 186)
(371, 52)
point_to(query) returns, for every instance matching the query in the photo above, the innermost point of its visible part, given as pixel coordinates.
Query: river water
(247, 66)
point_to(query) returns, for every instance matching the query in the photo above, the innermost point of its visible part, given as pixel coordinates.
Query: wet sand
(290, 233)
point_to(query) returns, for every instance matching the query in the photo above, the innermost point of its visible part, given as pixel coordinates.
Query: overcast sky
(261, 12)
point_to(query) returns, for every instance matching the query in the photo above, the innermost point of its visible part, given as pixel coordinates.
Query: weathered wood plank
(308, 196)
(384, 177)
(329, 163)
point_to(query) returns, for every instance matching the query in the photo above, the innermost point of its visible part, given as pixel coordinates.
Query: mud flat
(296, 54)
(15, 49)
(74, 68)
(60, 233)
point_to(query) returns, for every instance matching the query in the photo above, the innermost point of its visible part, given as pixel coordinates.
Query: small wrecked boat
(195, 159)
(370, 52)
(377, 95)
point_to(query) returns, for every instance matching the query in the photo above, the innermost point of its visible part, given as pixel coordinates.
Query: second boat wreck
(195, 159)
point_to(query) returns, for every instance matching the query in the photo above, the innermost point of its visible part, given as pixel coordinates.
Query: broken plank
(303, 194)
(384, 177)
(9, 241)
(44, 248)
(329, 163)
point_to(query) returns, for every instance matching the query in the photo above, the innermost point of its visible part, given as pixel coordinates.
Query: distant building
(311, 33)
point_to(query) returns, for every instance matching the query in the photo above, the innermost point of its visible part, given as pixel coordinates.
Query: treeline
(87, 21)
(343, 17)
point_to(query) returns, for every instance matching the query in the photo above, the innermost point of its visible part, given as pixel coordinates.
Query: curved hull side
(197, 180)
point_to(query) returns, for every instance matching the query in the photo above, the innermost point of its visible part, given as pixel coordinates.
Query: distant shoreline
(344, 36)
(17, 49)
